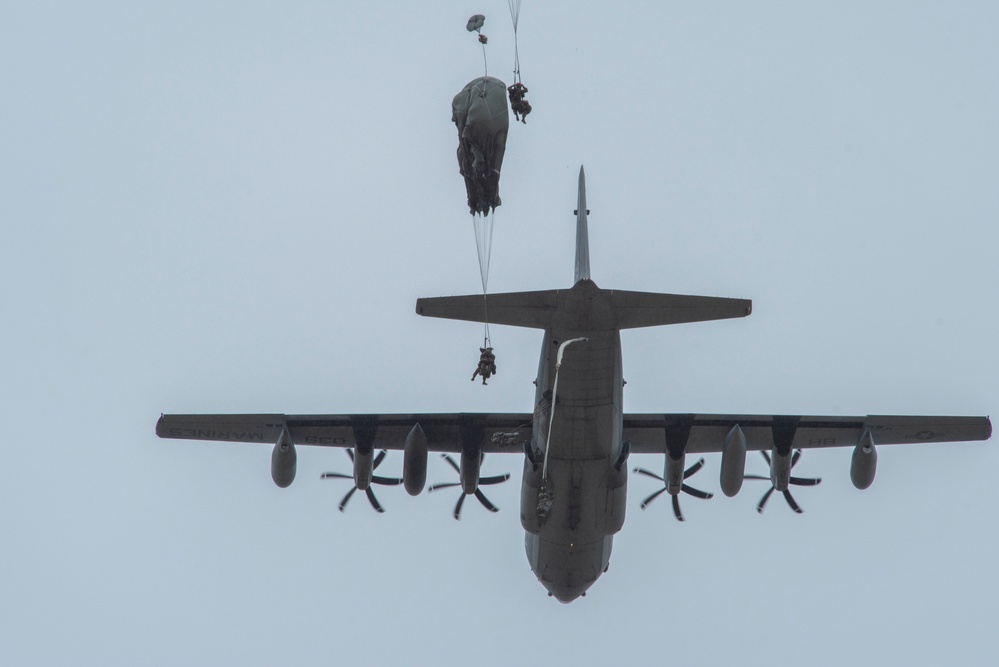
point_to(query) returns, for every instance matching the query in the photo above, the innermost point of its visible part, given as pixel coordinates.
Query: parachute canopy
(475, 22)
(480, 112)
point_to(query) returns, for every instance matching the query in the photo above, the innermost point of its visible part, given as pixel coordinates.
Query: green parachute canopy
(480, 112)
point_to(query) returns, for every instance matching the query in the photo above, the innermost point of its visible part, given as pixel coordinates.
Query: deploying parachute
(482, 117)
(480, 112)
(475, 23)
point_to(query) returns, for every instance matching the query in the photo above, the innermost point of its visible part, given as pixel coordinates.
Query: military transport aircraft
(575, 445)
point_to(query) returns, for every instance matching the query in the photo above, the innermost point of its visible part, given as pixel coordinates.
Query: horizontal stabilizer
(584, 306)
(649, 309)
(520, 309)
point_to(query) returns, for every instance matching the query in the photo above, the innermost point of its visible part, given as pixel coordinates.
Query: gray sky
(233, 206)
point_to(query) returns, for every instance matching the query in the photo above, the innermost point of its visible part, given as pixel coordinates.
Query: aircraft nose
(565, 594)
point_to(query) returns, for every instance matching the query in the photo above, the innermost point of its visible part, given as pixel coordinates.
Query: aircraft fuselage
(569, 545)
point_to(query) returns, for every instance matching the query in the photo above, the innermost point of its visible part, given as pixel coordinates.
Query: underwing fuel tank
(864, 463)
(733, 464)
(284, 461)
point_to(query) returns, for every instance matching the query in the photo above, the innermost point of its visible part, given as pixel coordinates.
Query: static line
(551, 416)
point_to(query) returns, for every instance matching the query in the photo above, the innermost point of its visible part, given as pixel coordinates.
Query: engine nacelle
(733, 463)
(674, 474)
(414, 461)
(469, 466)
(864, 463)
(284, 461)
(780, 470)
(364, 465)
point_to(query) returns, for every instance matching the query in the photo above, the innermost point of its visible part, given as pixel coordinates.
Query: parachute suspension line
(484, 245)
(483, 225)
(517, 90)
(515, 17)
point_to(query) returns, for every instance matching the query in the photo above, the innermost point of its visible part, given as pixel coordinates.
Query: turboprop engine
(672, 479)
(733, 463)
(284, 460)
(864, 463)
(414, 462)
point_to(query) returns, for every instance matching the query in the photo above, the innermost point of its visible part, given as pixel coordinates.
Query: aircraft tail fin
(582, 238)
(584, 306)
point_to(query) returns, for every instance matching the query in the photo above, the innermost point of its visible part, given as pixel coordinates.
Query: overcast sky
(233, 206)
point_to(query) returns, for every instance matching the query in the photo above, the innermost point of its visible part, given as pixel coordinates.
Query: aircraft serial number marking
(323, 440)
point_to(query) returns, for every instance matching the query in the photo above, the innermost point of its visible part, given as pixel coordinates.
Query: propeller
(796, 481)
(689, 490)
(483, 481)
(375, 479)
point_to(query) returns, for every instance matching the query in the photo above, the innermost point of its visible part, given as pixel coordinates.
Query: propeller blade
(643, 471)
(379, 459)
(451, 463)
(694, 468)
(697, 493)
(386, 481)
(645, 503)
(805, 481)
(457, 507)
(676, 508)
(346, 498)
(374, 501)
(790, 501)
(335, 475)
(442, 485)
(350, 454)
(485, 501)
(763, 500)
(766, 456)
(795, 457)
(496, 479)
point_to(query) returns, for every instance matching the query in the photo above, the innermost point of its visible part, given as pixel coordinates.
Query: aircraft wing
(507, 432)
(445, 432)
(648, 433)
